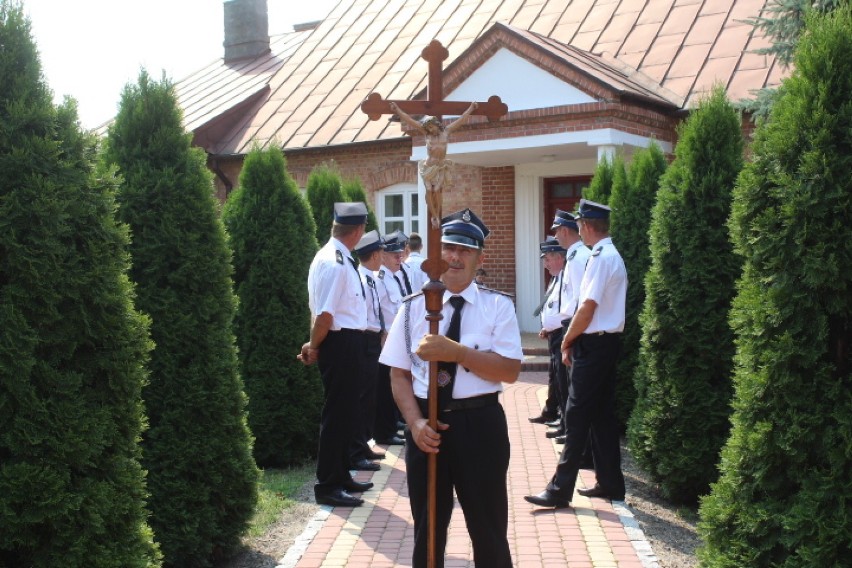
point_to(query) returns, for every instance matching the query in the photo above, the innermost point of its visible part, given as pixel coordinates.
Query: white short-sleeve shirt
(389, 296)
(488, 323)
(605, 282)
(335, 286)
(575, 266)
(551, 318)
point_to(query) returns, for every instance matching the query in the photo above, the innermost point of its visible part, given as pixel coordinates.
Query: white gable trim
(522, 85)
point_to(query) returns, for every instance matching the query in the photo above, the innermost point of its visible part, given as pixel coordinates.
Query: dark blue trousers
(591, 410)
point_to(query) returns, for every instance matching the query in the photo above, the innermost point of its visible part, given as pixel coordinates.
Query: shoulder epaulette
(572, 255)
(412, 296)
(597, 250)
(382, 274)
(339, 256)
(492, 290)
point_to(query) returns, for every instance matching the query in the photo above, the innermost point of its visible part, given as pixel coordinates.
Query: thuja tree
(72, 346)
(353, 191)
(600, 188)
(271, 233)
(197, 451)
(632, 199)
(784, 492)
(680, 420)
(325, 188)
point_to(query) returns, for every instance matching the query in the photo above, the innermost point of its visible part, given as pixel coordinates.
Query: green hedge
(783, 498)
(72, 347)
(197, 451)
(681, 416)
(271, 232)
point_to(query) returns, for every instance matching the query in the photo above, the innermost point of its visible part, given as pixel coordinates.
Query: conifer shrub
(680, 420)
(197, 451)
(325, 188)
(784, 492)
(600, 188)
(271, 232)
(72, 346)
(353, 191)
(633, 194)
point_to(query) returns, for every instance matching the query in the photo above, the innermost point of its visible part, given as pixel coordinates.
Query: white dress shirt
(334, 286)
(605, 282)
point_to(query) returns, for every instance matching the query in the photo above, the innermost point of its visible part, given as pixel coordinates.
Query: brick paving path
(592, 533)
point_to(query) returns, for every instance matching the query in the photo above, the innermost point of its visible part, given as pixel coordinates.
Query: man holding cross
(479, 348)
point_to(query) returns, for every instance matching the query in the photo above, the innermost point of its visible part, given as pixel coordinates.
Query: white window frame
(410, 192)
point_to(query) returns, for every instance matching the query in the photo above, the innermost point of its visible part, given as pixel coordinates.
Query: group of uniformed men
(371, 340)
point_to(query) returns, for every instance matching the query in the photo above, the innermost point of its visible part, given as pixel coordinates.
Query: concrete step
(535, 363)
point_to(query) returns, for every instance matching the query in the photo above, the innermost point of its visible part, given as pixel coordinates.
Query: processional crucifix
(436, 172)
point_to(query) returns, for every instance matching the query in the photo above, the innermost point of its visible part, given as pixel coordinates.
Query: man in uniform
(479, 349)
(337, 300)
(553, 255)
(369, 251)
(591, 346)
(414, 260)
(387, 419)
(394, 251)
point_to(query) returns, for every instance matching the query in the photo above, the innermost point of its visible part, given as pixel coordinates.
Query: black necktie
(358, 274)
(446, 370)
(547, 293)
(401, 289)
(377, 306)
(407, 281)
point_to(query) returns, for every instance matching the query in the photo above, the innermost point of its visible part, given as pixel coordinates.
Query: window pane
(391, 226)
(415, 204)
(415, 226)
(394, 206)
(565, 189)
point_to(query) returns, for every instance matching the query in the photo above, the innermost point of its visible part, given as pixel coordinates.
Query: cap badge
(466, 216)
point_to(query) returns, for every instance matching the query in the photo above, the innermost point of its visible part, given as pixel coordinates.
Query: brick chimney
(246, 29)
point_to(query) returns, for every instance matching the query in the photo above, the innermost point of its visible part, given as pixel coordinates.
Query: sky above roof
(90, 49)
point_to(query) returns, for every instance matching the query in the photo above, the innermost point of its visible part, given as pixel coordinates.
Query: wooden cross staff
(374, 107)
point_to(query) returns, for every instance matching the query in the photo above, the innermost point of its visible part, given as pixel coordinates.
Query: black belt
(371, 332)
(598, 333)
(457, 404)
(346, 330)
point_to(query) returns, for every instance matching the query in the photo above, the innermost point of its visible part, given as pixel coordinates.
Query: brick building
(583, 79)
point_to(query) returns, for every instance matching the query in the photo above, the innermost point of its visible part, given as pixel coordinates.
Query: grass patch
(277, 489)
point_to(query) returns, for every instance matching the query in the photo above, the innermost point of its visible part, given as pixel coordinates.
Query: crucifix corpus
(436, 172)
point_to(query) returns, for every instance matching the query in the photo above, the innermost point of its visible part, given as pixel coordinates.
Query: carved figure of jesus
(436, 169)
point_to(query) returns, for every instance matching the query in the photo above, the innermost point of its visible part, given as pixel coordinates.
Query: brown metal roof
(664, 51)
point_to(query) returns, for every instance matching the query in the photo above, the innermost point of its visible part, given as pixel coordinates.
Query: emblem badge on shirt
(382, 274)
(597, 251)
(339, 256)
(572, 255)
(443, 378)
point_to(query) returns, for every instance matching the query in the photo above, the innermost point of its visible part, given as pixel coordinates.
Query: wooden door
(560, 193)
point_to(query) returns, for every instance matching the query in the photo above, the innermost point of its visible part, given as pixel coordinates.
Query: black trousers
(367, 380)
(387, 414)
(557, 384)
(474, 459)
(591, 410)
(341, 360)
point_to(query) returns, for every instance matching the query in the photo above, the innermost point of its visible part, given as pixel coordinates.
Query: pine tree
(272, 235)
(197, 451)
(782, 23)
(784, 492)
(681, 416)
(324, 190)
(632, 199)
(72, 346)
(353, 191)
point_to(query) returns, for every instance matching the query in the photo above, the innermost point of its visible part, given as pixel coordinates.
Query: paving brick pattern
(593, 533)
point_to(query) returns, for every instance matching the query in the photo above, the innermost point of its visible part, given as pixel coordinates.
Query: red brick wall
(498, 195)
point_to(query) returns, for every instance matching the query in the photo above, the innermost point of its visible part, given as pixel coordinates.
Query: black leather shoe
(598, 491)
(366, 465)
(560, 439)
(554, 423)
(374, 455)
(392, 441)
(541, 418)
(401, 425)
(339, 498)
(547, 499)
(357, 486)
(554, 433)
